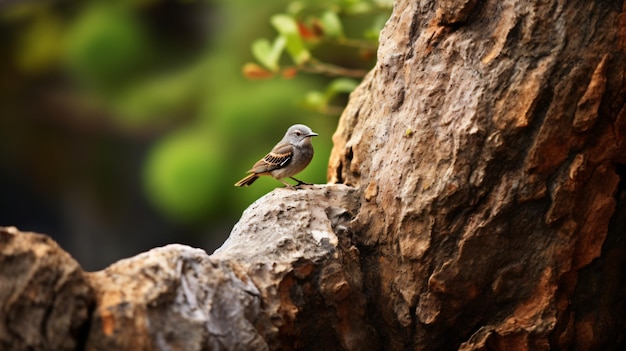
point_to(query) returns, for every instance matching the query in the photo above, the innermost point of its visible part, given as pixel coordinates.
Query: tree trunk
(482, 207)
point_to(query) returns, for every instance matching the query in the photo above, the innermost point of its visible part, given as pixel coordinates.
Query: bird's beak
(312, 134)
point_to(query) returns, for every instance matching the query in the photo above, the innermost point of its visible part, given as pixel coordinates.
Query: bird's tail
(247, 180)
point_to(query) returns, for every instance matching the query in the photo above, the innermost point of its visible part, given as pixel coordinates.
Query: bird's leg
(287, 184)
(300, 182)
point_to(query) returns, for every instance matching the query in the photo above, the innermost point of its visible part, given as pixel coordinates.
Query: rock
(174, 298)
(288, 277)
(281, 281)
(296, 246)
(44, 295)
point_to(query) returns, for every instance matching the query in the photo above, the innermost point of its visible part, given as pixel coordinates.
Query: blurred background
(125, 124)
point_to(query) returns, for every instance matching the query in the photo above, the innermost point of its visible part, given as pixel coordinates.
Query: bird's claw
(300, 182)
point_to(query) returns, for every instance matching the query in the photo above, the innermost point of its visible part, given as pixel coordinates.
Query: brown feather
(279, 157)
(248, 180)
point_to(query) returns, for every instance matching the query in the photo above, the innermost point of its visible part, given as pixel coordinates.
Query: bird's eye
(298, 133)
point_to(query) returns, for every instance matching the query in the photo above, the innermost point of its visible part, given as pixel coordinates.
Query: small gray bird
(288, 158)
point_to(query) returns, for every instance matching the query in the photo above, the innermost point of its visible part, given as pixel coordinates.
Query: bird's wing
(279, 157)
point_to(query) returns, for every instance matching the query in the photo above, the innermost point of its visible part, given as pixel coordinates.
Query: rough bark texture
(488, 144)
(483, 208)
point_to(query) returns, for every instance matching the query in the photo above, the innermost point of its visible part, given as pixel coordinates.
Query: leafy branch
(304, 28)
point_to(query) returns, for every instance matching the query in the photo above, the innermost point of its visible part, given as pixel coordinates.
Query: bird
(289, 157)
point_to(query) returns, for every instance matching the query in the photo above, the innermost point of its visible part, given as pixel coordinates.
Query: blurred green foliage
(163, 79)
(308, 30)
(105, 44)
(182, 170)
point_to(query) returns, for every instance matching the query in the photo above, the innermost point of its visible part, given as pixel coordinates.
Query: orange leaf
(253, 71)
(306, 33)
(289, 72)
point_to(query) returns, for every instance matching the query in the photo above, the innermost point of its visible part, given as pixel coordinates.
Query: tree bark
(482, 207)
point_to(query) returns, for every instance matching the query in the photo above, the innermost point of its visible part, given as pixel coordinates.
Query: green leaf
(358, 8)
(288, 29)
(331, 25)
(340, 85)
(315, 101)
(296, 7)
(373, 32)
(268, 54)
